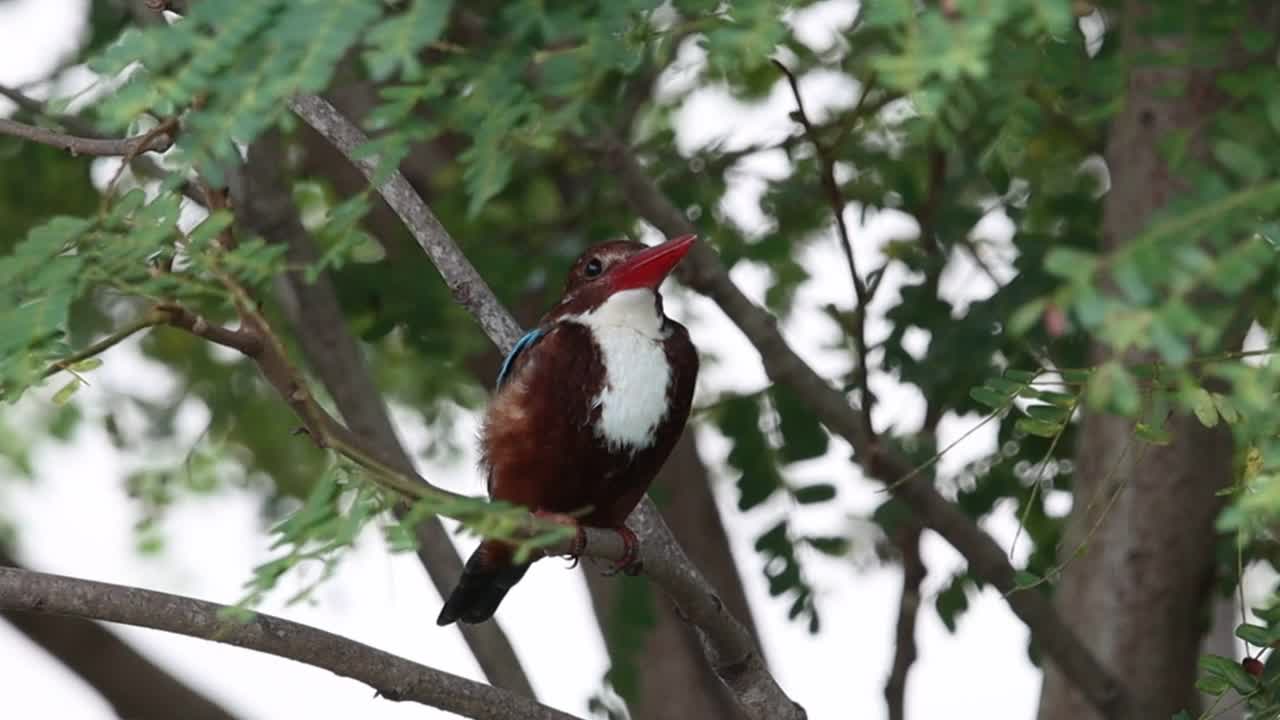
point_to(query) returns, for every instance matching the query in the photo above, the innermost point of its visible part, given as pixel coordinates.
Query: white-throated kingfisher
(588, 406)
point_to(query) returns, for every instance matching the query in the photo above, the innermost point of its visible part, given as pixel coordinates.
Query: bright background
(76, 518)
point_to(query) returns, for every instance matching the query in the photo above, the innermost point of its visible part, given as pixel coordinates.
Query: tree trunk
(1139, 596)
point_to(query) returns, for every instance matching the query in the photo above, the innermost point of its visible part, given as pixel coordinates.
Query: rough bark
(1139, 598)
(132, 685)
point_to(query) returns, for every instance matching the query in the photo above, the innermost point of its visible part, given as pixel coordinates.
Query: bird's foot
(630, 563)
(579, 543)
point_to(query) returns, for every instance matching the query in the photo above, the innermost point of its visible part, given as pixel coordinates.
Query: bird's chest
(632, 400)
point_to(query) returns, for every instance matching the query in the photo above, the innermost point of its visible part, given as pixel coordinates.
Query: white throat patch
(628, 330)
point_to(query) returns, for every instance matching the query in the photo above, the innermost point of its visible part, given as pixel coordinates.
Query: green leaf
(395, 42)
(1038, 427)
(834, 546)
(1242, 160)
(1113, 388)
(1273, 111)
(1076, 376)
(64, 394)
(1006, 386)
(803, 436)
(1226, 408)
(952, 601)
(1025, 317)
(1049, 413)
(1057, 399)
(1204, 408)
(1216, 666)
(1070, 263)
(989, 397)
(739, 420)
(1152, 434)
(1269, 615)
(1212, 686)
(87, 365)
(1021, 376)
(1255, 635)
(1024, 579)
(206, 231)
(810, 494)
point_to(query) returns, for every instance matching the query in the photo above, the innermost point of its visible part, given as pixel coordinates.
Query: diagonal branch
(728, 646)
(394, 678)
(829, 185)
(100, 147)
(836, 200)
(703, 271)
(464, 281)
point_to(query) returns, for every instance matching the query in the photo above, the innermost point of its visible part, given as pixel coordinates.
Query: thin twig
(394, 678)
(105, 344)
(913, 572)
(28, 104)
(836, 199)
(141, 165)
(97, 147)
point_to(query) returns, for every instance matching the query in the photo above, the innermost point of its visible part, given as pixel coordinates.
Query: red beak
(648, 268)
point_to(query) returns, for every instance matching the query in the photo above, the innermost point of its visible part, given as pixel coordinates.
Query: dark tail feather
(485, 580)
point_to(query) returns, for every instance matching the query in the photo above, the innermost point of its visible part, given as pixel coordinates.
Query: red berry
(1253, 666)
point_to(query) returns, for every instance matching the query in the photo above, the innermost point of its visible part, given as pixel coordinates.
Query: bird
(587, 407)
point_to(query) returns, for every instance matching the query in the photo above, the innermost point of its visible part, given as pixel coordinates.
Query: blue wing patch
(522, 344)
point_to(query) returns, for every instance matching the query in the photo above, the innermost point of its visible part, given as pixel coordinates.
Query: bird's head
(609, 268)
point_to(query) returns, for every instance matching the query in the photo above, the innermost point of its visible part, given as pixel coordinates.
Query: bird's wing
(538, 421)
(524, 343)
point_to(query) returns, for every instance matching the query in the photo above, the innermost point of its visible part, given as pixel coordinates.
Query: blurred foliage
(952, 111)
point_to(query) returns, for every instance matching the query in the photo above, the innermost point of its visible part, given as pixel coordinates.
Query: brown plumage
(543, 442)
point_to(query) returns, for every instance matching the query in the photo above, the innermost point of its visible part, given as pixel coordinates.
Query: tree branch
(332, 352)
(466, 285)
(913, 572)
(394, 678)
(727, 644)
(130, 683)
(106, 343)
(703, 271)
(99, 147)
(837, 202)
(834, 197)
(141, 165)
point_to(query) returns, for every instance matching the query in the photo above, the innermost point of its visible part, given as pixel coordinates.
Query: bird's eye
(594, 268)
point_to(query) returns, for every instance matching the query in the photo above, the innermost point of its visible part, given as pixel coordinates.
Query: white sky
(77, 520)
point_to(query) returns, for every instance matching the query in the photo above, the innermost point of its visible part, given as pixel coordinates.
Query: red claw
(630, 563)
(579, 543)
